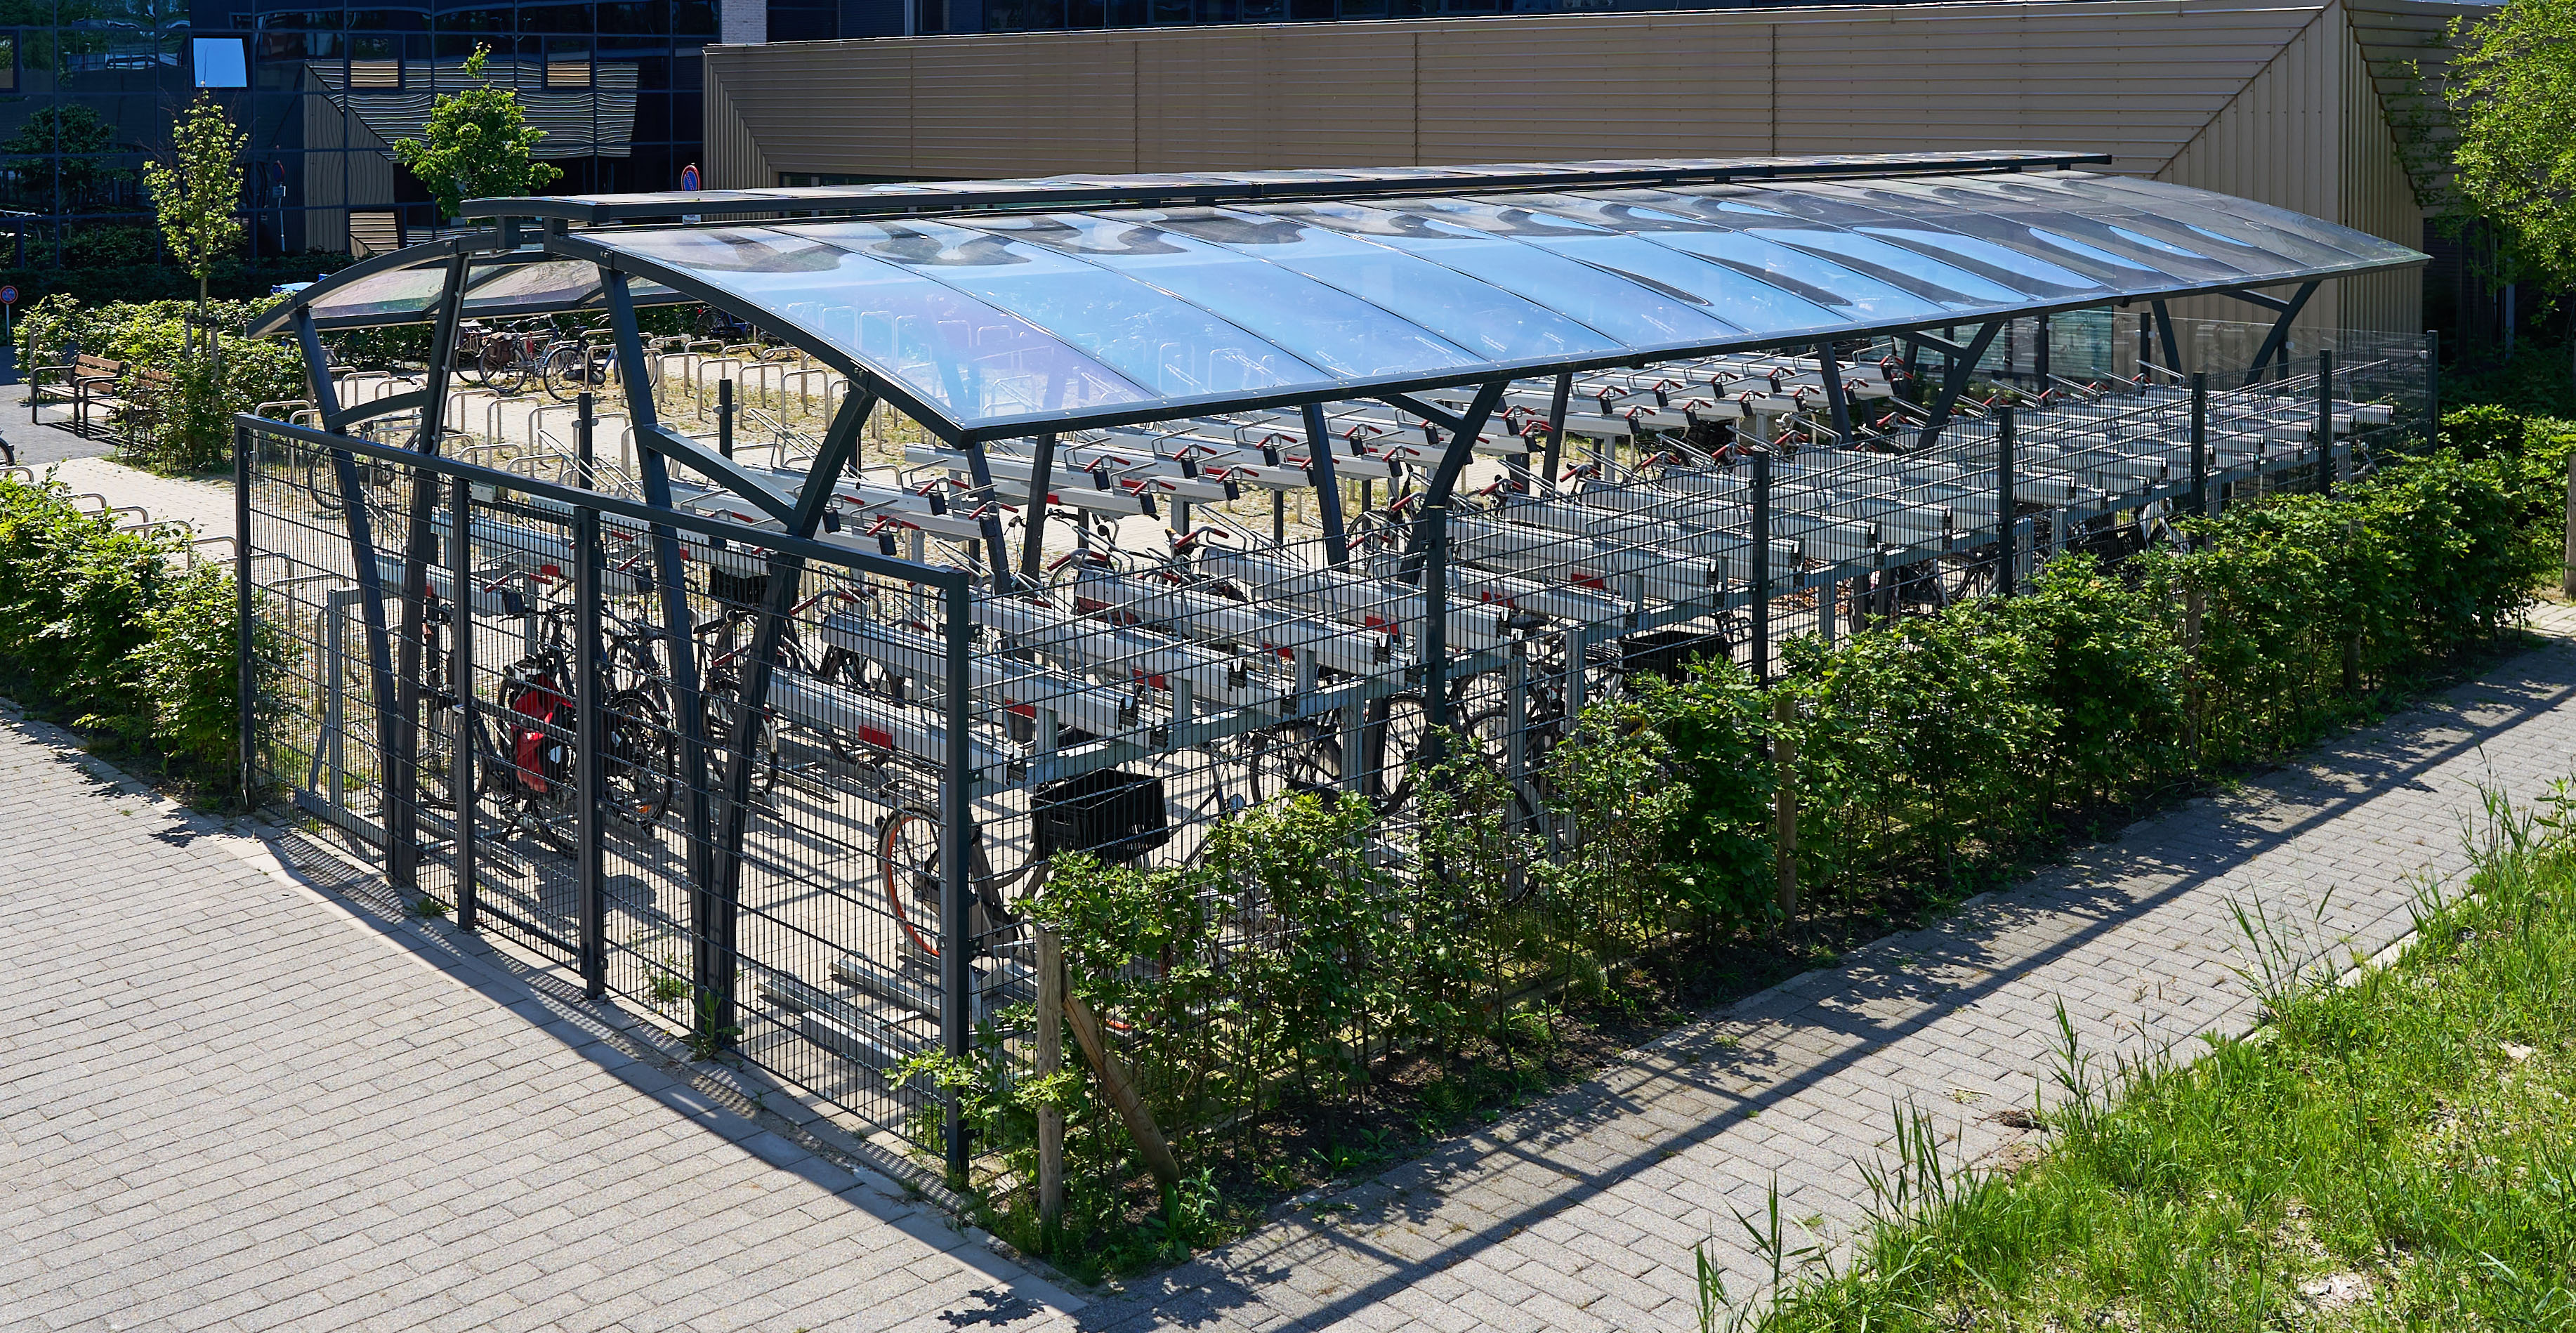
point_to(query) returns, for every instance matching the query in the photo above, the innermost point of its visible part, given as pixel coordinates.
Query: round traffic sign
(8, 296)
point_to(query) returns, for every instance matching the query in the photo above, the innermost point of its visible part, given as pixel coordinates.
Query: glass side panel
(964, 358)
(561, 284)
(1326, 327)
(1640, 316)
(1492, 323)
(1167, 345)
(390, 296)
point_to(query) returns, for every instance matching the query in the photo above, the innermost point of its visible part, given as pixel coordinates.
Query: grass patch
(2399, 1152)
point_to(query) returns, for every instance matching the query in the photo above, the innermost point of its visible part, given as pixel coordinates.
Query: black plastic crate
(1112, 814)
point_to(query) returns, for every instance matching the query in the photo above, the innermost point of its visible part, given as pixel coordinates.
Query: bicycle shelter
(1201, 490)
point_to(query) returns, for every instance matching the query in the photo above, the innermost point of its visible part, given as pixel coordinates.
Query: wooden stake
(1784, 765)
(1050, 1058)
(1122, 1094)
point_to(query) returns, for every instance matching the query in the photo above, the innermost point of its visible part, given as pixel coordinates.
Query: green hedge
(108, 631)
(1934, 756)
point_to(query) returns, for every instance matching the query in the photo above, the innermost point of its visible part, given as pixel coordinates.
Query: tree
(198, 193)
(477, 145)
(2513, 90)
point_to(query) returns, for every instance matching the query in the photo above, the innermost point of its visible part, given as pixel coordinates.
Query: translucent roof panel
(988, 323)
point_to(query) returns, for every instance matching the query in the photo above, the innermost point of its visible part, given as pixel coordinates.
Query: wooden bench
(86, 382)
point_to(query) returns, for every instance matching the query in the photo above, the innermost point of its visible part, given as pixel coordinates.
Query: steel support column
(590, 752)
(420, 544)
(1328, 484)
(2006, 520)
(1837, 396)
(688, 704)
(2200, 444)
(1556, 405)
(467, 771)
(2165, 335)
(1041, 484)
(2276, 343)
(1463, 431)
(1759, 534)
(370, 576)
(1962, 364)
(2325, 420)
(751, 703)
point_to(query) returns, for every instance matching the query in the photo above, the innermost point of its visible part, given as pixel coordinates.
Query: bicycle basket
(1112, 813)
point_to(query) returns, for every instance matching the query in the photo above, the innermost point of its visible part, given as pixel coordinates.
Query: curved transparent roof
(995, 323)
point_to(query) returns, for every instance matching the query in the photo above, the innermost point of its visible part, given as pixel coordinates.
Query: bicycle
(503, 358)
(526, 739)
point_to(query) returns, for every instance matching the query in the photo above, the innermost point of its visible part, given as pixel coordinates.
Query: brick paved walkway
(228, 1101)
(1581, 1214)
(231, 1101)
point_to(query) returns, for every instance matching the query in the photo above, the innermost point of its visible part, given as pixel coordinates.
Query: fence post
(245, 627)
(591, 743)
(2432, 389)
(1050, 1059)
(2568, 584)
(1435, 626)
(1761, 544)
(1784, 768)
(2192, 604)
(2200, 444)
(466, 774)
(956, 829)
(2005, 518)
(2325, 420)
(724, 416)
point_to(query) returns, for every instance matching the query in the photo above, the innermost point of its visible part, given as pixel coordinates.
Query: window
(8, 62)
(221, 62)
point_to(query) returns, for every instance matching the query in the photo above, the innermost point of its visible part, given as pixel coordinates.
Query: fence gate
(770, 880)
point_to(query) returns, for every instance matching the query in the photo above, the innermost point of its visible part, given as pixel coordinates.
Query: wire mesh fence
(809, 791)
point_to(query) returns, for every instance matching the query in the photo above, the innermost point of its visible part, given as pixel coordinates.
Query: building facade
(2300, 103)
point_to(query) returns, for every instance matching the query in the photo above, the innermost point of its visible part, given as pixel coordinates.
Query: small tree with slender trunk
(476, 145)
(198, 192)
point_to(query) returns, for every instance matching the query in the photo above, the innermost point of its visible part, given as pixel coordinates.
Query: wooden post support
(1131, 1108)
(1784, 765)
(1050, 1058)
(2569, 585)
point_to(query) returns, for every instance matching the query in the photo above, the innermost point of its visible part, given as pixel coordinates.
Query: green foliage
(477, 145)
(2408, 1138)
(182, 425)
(2513, 92)
(197, 195)
(104, 629)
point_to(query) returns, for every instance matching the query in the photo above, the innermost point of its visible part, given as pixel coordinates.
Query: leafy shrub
(184, 425)
(105, 629)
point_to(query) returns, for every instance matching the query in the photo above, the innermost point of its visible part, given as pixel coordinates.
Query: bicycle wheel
(561, 370)
(636, 735)
(1397, 727)
(504, 365)
(725, 720)
(908, 852)
(1300, 756)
